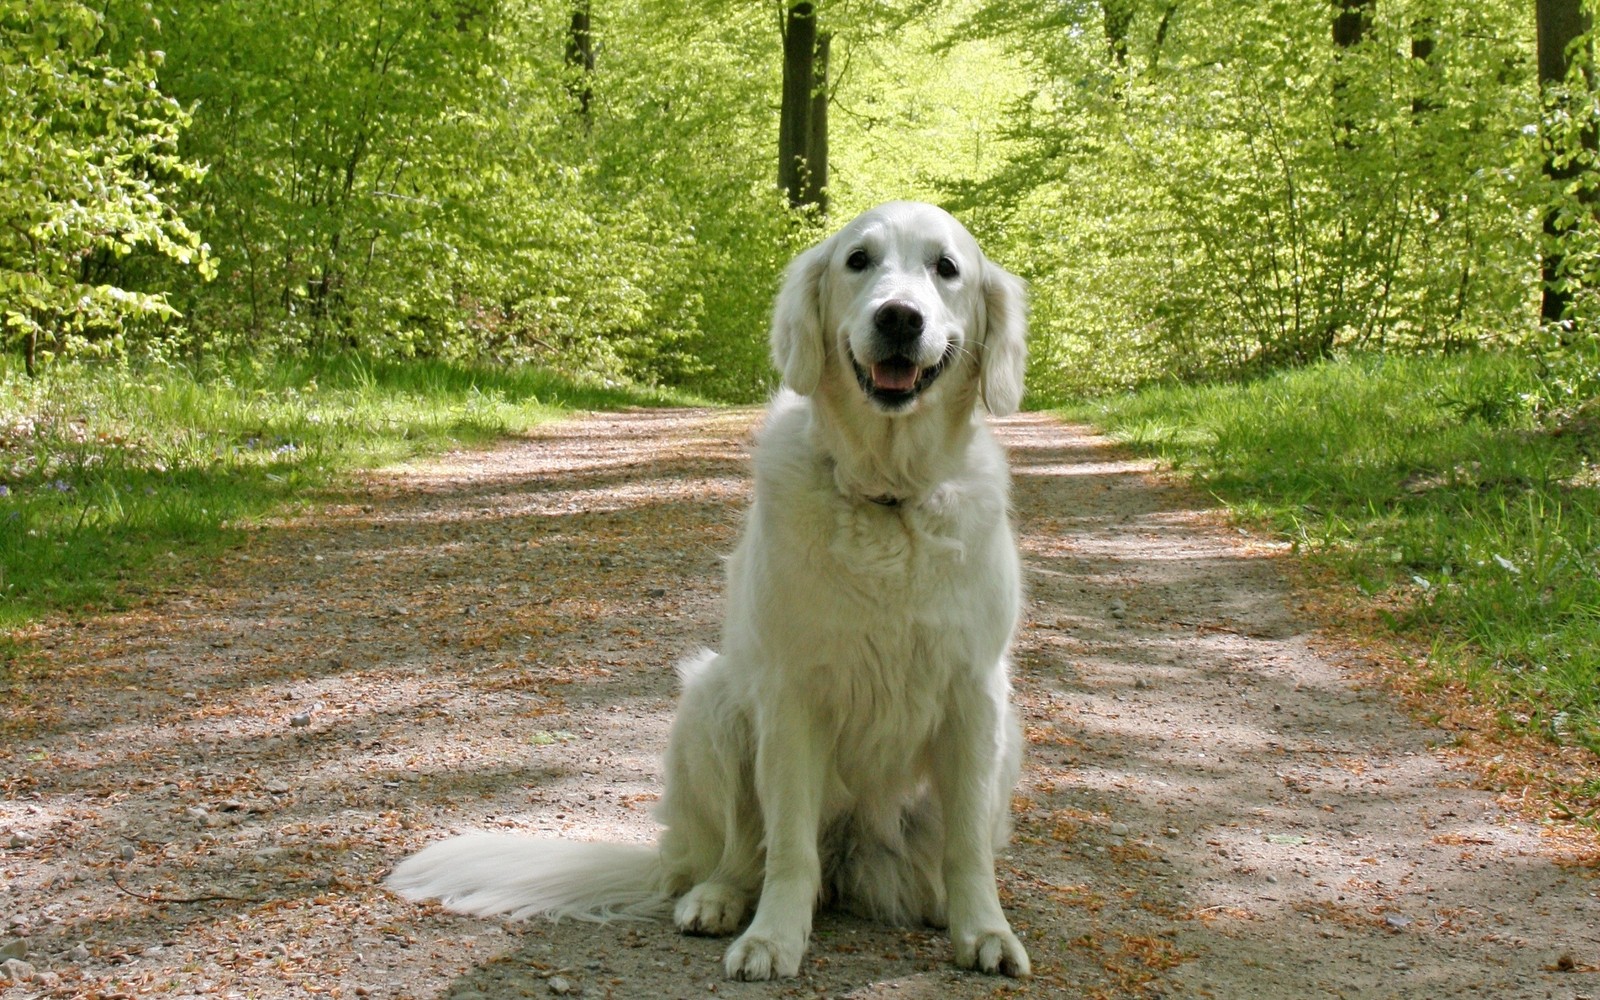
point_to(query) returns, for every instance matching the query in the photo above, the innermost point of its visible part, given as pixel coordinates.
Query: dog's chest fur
(869, 613)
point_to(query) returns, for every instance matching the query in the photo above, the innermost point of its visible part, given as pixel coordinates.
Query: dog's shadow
(651, 960)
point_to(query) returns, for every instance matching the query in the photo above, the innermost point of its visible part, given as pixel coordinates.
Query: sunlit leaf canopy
(1193, 188)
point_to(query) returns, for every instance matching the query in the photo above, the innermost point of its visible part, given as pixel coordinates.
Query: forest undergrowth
(1452, 500)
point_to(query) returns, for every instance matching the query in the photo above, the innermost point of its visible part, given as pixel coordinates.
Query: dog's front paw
(711, 908)
(993, 951)
(755, 957)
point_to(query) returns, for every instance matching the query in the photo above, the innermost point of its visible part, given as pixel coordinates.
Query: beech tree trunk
(803, 115)
(1118, 19)
(1424, 39)
(580, 58)
(1351, 19)
(1559, 24)
(816, 180)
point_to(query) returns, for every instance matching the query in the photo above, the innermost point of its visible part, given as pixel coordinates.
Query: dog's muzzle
(895, 380)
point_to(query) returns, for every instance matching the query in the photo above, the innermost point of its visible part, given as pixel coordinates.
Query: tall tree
(580, 58)
(1424, 39)
(1352, 20)
(1560, 25)
(802, 126)
(816, 186)
(1118, 15)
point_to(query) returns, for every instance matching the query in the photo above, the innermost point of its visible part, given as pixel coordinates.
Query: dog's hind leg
(718, 902)
(712, 843)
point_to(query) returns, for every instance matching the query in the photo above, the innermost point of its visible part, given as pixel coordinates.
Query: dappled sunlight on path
(487, 639)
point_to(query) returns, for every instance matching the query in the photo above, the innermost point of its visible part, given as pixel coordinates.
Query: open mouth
(896, 380)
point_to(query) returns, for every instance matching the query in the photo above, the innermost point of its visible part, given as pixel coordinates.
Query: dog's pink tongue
(896, 375)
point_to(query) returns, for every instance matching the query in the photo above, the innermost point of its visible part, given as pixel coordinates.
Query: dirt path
(1211, 808)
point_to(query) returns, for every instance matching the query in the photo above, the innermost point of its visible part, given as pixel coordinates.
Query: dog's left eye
(946, 268)
(858, 260)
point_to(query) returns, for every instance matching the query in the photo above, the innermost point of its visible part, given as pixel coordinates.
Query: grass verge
(1458, 494)
(114, 476)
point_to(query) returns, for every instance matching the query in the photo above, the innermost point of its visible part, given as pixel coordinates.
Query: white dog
(854, 742)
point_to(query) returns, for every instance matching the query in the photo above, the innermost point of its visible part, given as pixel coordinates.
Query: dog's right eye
(858, 260)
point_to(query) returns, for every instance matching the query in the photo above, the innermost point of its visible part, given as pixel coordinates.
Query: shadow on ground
(487, 640)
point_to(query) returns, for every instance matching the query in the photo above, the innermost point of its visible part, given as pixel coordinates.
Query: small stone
(22, 839)
(1141, 685)
(1396, 923)
(1172, 831)
(300, 720)
(277, 787)
(15, 970)
(1272, 879)
(79, 953)
(560, 987)
(14, 949)
(1119, 829)
(1118, 609)
(656, 592)
(128, 853)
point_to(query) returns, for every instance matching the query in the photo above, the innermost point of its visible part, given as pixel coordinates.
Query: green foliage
(1193, 189)
(1459, 488)
(417, 179)
(1230, 190)
(340, 141)
(89, 173)
(112, 475)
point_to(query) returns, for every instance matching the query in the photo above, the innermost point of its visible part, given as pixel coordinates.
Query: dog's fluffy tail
(485, 874)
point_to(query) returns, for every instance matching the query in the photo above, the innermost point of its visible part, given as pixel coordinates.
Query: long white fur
(498, 873)
(853, 742)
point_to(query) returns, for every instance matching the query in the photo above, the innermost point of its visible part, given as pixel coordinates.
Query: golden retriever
(853, 742)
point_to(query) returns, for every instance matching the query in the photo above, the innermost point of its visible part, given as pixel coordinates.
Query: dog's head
(901, 302)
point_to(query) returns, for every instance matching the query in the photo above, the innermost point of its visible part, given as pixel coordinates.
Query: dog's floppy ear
(798, 344)
(1003, 360)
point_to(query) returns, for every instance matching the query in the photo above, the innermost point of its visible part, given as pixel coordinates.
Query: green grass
(1453, 488)
(113, 477)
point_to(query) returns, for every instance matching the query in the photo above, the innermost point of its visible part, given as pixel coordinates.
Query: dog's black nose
(898, 322)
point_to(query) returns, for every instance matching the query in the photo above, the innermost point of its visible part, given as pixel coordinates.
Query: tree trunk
(580, 59)
(1118, 15)
(30, 353)
(816, 186)
(795, 112)
(1424, 38)
(1161, 35)
(1559, 24)
(1351, 19)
